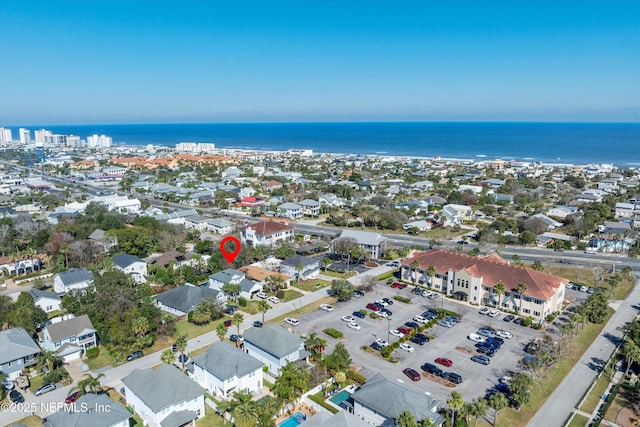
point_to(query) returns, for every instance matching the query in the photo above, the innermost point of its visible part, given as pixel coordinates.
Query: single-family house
(95, 410)
(164, 396)
(271, 185)
(76, 278)
(453, 214)
(420, 224)
(371, 243)
(221, 226)
(104, 242)
(259, 275)
(70, 337)
(164, 260)
(549, 222)
(182, 299)
(48, 301)
(133, 266)
(310, 207)
(230, 275)
(223, 369)
(549, 238)
(266, 233)
(274, 346)
(17, 352)
(290, 210)
(627, 210)
(380, 401)
(339, 419)
(300, 267)
(562, 211)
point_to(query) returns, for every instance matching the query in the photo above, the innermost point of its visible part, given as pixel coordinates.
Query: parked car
(358, 294)
(412, 325)
(412, 374)
(407, 347)
(376, 346)
(396, 333)
(432, 295)
(504, 334)
(423, 337)
(347, 318)
(399, 285)
(274, 300)
(486, 350)
(292, 321)
(486, 332)
(382, 342)
(482, 359)
(452, 377)
(432, 369)
(518, 321)
(227, 323)
(381, 302)
(386, 311)
(257, 324)
(509, 317)
(135, 355)
(445, 324)
(404, 330)
(358, 314)
(419, 319)
(353, 325)
(495, 339)
(417, 340)
(235, 338)
(383, 313)
(374, 306)
(493, 313)
(7, 384)
(476, 338)
(16, 396)
(416, 290)
(44, 389)
(72, 397)
(485, 310)
(262, 295)
(388, 301)
(231, 309)
(326, 307)
(444, 361)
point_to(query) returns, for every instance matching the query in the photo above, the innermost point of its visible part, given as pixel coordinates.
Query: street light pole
(388, 329)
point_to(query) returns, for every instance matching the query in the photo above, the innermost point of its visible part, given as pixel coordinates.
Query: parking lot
(451, 343)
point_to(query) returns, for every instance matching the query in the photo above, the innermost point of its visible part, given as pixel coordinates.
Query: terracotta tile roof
(268, 227)
(259, 274)
(492, 269)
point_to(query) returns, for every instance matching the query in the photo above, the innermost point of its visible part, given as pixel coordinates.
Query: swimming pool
(340, 397)
(293, 421)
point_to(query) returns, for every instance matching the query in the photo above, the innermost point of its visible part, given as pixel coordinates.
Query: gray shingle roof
(184, 298)
(178, 418)
(226, 361)
(69, 328)
(341, 419)
(364, 237)
(36, 294)
(162, 387)
(390, 397)
(125, 260)
(274, 340)
(88, 415)
(16, 343)
(75, 275)
(226, 275)
(299, 259)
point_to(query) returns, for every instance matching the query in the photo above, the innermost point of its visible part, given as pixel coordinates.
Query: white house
(274, 346)
(310, 207)
(17, 352)
(48, 301)
(290, 210)
(371, 243)
(76, 278)
(69, 338)
(95, 410)
(223, 369)
(455, 214)
(221, 226)
(229, 275)
(309, 267)
(562, 211)
(164, 396)
(266, 233)
(132, 265)
(420, 224)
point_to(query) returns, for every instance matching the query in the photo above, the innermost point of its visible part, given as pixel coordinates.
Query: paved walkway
(559, 405)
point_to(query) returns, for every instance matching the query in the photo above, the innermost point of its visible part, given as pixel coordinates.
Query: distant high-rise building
(25, 136)
(102, 141)
(55, 139)
(5, 135)
(74, 141)
(41, 135)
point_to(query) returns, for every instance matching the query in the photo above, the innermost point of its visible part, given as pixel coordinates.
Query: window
(536, 313)
(527, 311)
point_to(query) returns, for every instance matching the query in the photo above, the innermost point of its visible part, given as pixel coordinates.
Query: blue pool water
(293, 421)
(340, 397)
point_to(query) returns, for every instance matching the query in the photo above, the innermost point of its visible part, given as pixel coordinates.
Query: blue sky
(74, 62)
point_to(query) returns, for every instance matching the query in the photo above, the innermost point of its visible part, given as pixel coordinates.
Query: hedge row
(333, 333)
(356, 377)
(319, 399)
(402, 299)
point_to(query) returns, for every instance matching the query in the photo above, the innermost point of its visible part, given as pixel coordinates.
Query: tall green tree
(89, 384)
(406, 419)
(431, 271)
(221, 331)
(341, 289)
(236, 321)
(315, 345)
(339, 359)
(415, 265)
(291, 384)
(263, 307)
(455, 402)
(168, 357)
(246, 411)
(499, 289)
(181, 346)
(521, 289)
(498, 402)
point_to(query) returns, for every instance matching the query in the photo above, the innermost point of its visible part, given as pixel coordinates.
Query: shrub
(389, 281)
(356, 377)
(265, 369)
(189, 314)
(550, 318)
(92, 352)
(402, 299)
(333, 333)
(242, 302)
(363, 311)
(374, 315)
(385, 276)
(319, 399)
(527, 321)
(52, 376)
(386, 352)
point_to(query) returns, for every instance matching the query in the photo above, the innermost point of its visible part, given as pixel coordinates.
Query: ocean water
(579, 143)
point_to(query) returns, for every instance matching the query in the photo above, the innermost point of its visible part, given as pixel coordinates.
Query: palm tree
(326, 262)
(521, 289)
(49, 359)
(315, 345)
(432, 271)
(427, 422)
(263, 307)
(181, 346)
(631, 353)
(89, 383)
(498, 402)
(291, 383)
(140, 326)
(499, 289)
(201, 315)
(455, 402)
(406, 419)
(221, 331)
(299, 268)
(168, 357)
(480, 408)
(237, 320)
(467, 410)
(222, 407)
(245, 412)
(415, 265)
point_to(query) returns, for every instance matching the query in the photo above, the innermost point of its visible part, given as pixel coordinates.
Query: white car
(433, 295)
(406, 347)
(382, 314)
(505, 379)
(584, 288)
(396, 333)
(476, 338)
(382, 342)
(348, 319)
(493, 313)
(382, 302)
(419, 319)
(292, 321)
(326, 307)
(485, 310)
(504, 334)
(274, 300)
(262, 295)
(353, 325)
(425, 293)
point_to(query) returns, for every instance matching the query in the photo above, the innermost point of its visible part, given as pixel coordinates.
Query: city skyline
(116, 62)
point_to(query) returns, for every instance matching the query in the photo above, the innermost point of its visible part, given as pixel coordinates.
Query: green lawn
(591, 402)
(192, 330)
(211, 419)
(291, 294)
(56, 313)
(30, 421)
(337, 275)
(103, 359)
(578, 421)
(311, 285)
(544, 387)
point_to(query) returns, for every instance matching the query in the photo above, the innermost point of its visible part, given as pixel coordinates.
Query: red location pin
(230, 256)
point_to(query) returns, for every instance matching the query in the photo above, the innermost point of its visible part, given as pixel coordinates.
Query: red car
(404, 330)
(399, 285)
(227, 323)
(373, 306)
(72, 397)
(444, 361)
(412, 373)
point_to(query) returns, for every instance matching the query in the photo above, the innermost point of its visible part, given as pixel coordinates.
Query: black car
(376, 346)
(417, 340)
(518, 321)
(388, 301)
(487, 345)
(385, 310)
(416, 290)
(509, 318)
(257, 324)
(174, 347)
(231, 309)
(412, 325)
(235, 337)
(358, 314)
(15, 396)
(135, 355)
(183, 358)
(432, 369)
(423, 337)
(358, 294)
(486, 350)
(452, 377)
